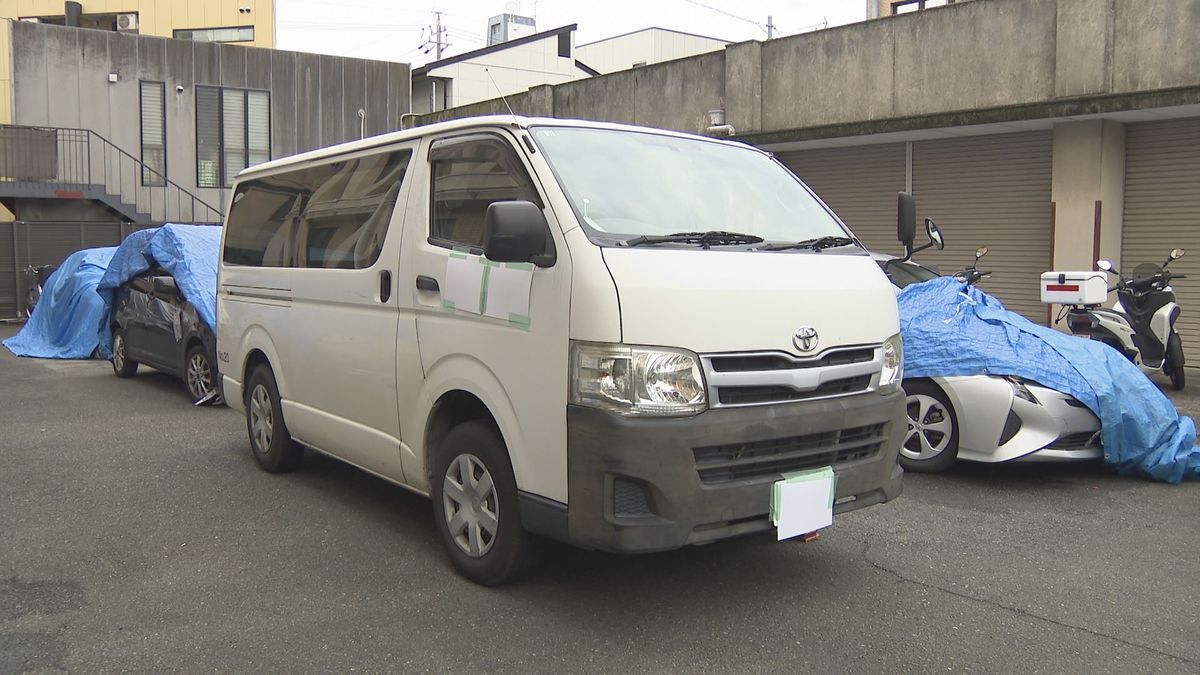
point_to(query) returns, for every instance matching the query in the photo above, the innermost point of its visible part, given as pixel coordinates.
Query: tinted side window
(329, 215)
(468, 175)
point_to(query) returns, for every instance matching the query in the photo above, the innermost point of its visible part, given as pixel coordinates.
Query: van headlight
(642, 381)
(893, 364)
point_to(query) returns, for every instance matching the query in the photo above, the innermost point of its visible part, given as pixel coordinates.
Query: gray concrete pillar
(743, 86)
(541, 101)
(1088, 191)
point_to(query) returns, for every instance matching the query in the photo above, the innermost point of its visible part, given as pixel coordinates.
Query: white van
(614, 336)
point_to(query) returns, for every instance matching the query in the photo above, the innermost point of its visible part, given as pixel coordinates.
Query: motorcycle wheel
(31, 300)
(1174, 363)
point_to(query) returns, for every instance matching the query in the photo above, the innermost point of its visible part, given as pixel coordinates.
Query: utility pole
(437, 35)
(770, 27)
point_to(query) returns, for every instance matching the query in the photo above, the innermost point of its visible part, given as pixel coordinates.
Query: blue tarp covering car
(78, 299)
(69, 321)
(188, 252)
(950, 328)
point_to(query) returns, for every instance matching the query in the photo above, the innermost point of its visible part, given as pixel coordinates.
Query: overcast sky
(393, 30)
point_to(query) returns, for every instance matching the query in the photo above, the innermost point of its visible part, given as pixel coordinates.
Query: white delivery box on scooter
(1074, 288)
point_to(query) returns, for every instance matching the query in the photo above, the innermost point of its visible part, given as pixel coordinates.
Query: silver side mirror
(934, 234)
(1105, 265)
(980, 252)
(1177, 253)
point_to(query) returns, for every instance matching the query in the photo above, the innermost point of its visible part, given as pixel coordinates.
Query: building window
(469, 175)
(233, 131)
(905, 6)
(231, 34)
(154, 133)
(564, 45)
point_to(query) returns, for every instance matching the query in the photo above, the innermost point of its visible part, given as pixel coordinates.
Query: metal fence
(23, 244)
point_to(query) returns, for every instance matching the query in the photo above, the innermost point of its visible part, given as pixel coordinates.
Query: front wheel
(931, 443)
(475, 506)
(1174, 363)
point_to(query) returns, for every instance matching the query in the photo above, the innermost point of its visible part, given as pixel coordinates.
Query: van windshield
(625, 184)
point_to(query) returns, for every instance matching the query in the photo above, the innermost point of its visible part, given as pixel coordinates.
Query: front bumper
(640, 484)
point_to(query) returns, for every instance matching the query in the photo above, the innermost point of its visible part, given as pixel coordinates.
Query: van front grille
(760, 362)
(778, 394)
(718, 464)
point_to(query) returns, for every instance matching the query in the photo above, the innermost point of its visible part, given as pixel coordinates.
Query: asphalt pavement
(136, 533)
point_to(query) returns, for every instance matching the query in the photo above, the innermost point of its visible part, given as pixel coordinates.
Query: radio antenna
(506, 105)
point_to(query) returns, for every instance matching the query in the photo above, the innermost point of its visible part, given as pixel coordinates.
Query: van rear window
(332, 215)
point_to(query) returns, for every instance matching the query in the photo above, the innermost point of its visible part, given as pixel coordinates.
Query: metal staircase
(65, 163)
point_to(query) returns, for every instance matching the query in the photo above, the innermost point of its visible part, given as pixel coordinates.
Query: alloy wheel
(471, 505)
(199, 376)
(119, 352)
(262, 418)
(929, 428)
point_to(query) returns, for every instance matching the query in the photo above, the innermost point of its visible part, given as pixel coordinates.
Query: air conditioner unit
(127, 23)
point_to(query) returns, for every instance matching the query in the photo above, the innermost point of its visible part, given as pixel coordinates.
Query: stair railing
(68, 163)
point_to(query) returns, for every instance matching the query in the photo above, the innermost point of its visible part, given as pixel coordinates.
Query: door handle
(425, 283)
(385, 286)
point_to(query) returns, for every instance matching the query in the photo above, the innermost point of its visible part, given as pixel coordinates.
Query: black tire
(271, 443)
(1174, 363)
(122, 365)
(198, 374)
(937, 411)
(509, 551)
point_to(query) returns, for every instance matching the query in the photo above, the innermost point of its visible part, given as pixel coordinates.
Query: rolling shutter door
(860, 184)
(990, 191)
(1162, 210)
(8, 271)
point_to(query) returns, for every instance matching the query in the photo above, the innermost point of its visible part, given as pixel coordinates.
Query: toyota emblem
(805, 338)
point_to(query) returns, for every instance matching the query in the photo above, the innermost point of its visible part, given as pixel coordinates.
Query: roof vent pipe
(72, 11)
(717, 125)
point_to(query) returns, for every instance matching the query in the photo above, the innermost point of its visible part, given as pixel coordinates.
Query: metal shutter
(860, 184)
(1162, 210)
(990, 191)
(8, 271)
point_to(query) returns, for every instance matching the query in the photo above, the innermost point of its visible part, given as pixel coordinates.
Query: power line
(731, 15)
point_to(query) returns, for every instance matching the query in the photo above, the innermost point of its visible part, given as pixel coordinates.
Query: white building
(498, 70)
(642, 48)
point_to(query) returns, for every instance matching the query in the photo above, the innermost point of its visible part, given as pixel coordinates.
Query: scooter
(38, 277)
(971, 275)
(1141, 325)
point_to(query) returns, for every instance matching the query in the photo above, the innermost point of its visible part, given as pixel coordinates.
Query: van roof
(517, 121)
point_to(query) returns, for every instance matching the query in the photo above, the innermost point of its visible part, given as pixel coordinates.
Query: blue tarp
(188, 252)
(69, 321)
(951, 329)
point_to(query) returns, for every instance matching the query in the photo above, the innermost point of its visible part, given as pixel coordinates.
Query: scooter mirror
(934, 234)
(980, 252)
(1177, 253)
(1105, 265)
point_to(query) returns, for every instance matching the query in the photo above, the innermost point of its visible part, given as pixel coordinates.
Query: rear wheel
(931, 443)
(198, 373)
(273, 446)
(475, 506)
(122, 365)
(1174, 363)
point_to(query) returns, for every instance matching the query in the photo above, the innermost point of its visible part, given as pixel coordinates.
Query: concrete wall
(162, 17)
(969, 63)
(61, 78)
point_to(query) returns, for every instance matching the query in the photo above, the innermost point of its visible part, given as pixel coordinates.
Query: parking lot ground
(136, 533)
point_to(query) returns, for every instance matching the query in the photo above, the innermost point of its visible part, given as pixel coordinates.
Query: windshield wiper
(817, 244)
(704, 239)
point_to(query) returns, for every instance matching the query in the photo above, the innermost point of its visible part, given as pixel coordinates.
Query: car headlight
(893, 364)
(640, 381)
(1021, 391)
